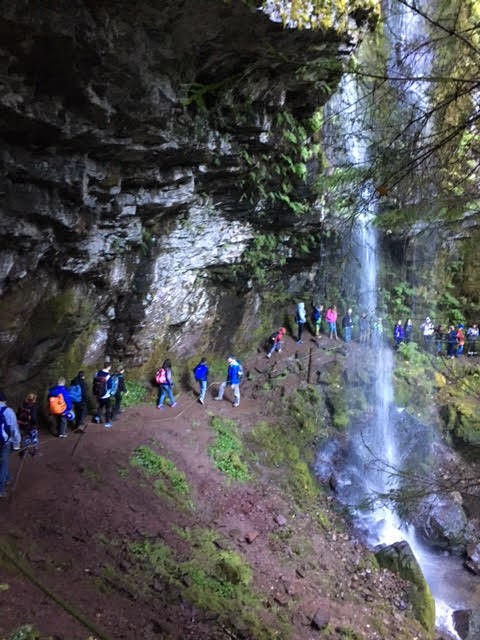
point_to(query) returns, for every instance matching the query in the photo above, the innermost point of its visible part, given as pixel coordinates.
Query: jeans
(348, 334)
(276, 346)
(236, 391)
(164, 391)
(61, 425)
(203, 389)
(104, 403)
(80, 409)
(4, 472)
(300, 330)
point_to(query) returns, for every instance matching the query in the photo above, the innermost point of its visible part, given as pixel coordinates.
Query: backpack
(316, 315)
(271, 339)
(161, 376)
(57, 405)
(100, 385)
(5, 432)
(75, 392)
(200, 371)
(113, 384)
(240, 370)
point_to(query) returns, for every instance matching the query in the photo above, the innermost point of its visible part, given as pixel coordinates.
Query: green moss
(400, 559)
(226, 450)
(215, 580)
(169, 481)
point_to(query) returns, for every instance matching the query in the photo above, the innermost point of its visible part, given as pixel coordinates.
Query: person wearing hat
(9, 439)
(276, 340)
(234, 376)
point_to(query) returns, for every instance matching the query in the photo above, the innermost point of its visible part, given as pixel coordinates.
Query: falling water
(379, 449)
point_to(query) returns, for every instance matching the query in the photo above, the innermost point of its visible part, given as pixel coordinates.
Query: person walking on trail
(27, 415)
(408, 330)
(347, 324)
(79, 394)
(331, 318)
(460, 340)
(428, 329)
(60, 406)
(364, 327)
(300, 319)
(276, 341)
(101, 389)
(120, 391)
(472, 337)
(200, 373)
(451, 342)
(164, 379)
(10, 439)
(398, 334)
(317, 316)
(234, 377)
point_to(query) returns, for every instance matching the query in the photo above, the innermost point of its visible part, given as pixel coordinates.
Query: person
(317, 313)
(200, 374)
(300, 319)
(10, 439)
(101, 392)
(363, 326)
(60, 405)
(165, 383)
(438, 338)
(234, 377)
(398, 334)
(119, 392)
(408, 330)
(460, 340)
(428, 329)
(472, 337)
(78, 385)
(27, 418)
(451, 342)
(347, 324)
(276, 341)
(331, 318)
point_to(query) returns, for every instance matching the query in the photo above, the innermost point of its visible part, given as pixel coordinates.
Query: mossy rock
(399, 558)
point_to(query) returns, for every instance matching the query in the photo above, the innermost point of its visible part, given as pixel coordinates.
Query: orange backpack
(57, 405)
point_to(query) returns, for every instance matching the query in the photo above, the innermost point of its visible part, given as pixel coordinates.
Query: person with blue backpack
(78, 394)
(200, 373)
(10, 438)
(234, 377)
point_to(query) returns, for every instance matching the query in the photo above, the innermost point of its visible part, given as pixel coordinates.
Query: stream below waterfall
(366, 468)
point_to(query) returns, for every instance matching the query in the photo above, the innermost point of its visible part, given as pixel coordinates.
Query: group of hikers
(68, 404)
(435, 337)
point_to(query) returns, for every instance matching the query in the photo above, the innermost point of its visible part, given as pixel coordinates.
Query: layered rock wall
(127, 132)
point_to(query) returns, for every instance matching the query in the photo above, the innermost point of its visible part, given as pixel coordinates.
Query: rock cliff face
(128, 132)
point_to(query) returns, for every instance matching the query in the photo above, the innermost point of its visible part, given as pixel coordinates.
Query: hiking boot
(216, 398)
(108, 425)
(269, 355)
(235, 404)
(159, 406)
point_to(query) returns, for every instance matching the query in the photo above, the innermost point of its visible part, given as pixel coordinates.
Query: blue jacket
(201, 372)
(11, 420)
(233, 373)
(54, 391)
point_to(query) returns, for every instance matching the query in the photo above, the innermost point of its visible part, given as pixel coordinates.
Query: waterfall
(379, 448)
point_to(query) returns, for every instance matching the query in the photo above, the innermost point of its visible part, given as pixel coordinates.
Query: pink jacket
(331, 315)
